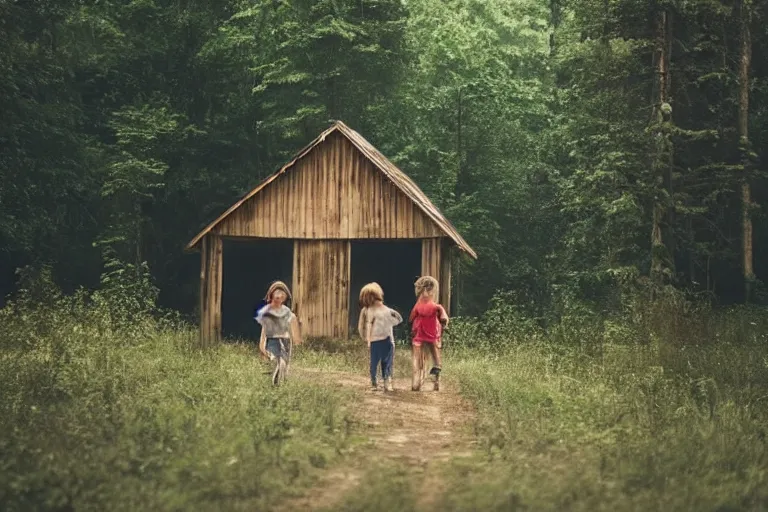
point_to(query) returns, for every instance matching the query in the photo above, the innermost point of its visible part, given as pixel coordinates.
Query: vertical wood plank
(343, 186)
(430, 260)
(353, 219)
(296, 286)
(430, 257)
(345, 277)
(211, 258)
(304, 205)
(445, 275)
(319, 198)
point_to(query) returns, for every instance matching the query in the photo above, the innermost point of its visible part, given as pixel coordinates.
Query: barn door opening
(395, 265)
(250, 266)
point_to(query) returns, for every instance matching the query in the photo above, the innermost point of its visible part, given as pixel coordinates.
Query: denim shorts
(279, 347)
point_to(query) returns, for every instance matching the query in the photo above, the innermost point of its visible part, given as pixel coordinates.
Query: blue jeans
(382, 351)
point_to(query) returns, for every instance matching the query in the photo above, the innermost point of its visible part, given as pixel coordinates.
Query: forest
(580, 147)
(606, 159)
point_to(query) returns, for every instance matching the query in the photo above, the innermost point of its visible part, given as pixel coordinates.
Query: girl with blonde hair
(376, 328)
(280, 329)
(427, 319)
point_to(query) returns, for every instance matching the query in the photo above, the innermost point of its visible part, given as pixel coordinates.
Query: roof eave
(197, 238)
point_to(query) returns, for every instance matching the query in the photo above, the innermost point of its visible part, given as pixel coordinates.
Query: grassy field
(99, 414)
(97, 419)
(635, 428)
(622, 432)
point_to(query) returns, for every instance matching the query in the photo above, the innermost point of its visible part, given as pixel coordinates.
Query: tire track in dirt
(419, 430)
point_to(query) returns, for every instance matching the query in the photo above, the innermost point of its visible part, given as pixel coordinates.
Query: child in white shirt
(375, 327)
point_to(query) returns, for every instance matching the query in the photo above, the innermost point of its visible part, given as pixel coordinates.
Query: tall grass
(677, 423)
(104, 405)
(104, 409)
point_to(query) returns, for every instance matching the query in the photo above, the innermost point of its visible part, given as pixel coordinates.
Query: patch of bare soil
(420, 430)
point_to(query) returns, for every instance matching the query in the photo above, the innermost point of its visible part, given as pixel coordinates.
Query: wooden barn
(338, 215)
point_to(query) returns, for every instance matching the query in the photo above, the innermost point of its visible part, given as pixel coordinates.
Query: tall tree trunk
(458, 191)
(745, 63)
(669, 234)
(555, 15)
(661, 260)
(459, 147)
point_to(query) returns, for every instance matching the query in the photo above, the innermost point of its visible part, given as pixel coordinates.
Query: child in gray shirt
(279, 329)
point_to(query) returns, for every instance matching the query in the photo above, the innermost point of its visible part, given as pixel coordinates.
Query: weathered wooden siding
(430, 257)
(445, 275)
(211, 259)
(321, 273)
(333, 192)
(436, 262)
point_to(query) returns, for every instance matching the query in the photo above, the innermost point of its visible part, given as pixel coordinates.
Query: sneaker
(374, 386)
(388, 385)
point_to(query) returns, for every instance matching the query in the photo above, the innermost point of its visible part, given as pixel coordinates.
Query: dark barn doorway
(249, 269)
(395, 265)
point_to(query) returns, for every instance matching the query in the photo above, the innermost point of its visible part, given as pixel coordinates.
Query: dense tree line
(577, 145)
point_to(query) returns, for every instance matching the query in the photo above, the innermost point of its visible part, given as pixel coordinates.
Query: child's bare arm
(443, 315)
(412, 316)
(362, 324)
(263, 343)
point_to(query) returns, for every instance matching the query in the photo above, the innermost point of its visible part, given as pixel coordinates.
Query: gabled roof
(395, 175)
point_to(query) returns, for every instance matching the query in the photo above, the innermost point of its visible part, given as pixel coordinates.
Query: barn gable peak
(392, 173)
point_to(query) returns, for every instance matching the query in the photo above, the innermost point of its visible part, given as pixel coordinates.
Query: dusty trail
(420, 430)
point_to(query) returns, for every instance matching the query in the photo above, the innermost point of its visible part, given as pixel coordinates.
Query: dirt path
(420, 430)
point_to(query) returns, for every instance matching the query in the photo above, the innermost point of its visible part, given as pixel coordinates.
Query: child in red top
(427, 319)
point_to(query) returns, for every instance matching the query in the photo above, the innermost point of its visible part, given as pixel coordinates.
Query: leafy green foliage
(128, 126)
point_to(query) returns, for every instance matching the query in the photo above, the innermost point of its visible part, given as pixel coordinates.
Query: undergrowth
(666, 411)
(104, 406)
(599, 423)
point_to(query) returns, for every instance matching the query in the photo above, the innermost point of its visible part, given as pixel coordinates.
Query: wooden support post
(211, 254)
(445, 275)
(430, 260)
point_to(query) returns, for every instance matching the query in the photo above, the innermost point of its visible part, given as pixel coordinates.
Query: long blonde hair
(370, 293)
(428, 285)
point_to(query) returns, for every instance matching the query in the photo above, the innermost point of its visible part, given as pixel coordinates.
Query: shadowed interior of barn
(337, 216)
(249, 267)
(395, 265)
